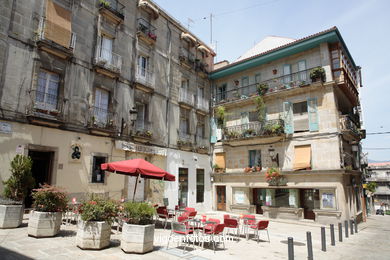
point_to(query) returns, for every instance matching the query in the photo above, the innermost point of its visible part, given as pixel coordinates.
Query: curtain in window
(106, 49)
(287, 73)
(313, 114)
(140, 121)
(101, 106)
(142, 66)
(302, 69)
(47, 91)
(288, 118)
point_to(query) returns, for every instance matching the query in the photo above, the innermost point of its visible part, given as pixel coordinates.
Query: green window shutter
(213, 132)
(288, 118)
(252, 158)
(313, 114)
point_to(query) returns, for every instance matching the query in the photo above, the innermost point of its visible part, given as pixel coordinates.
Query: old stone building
(86, 82)
(379, 173)
(290, 106)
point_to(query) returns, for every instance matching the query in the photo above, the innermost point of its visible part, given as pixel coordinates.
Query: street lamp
(133, 114)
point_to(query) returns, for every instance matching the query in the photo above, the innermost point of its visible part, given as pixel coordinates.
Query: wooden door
(308, 198)
(259, 199)
(221, 198)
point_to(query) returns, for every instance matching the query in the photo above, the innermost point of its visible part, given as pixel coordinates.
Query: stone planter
(44, 224)
(93, 235)
(11, 216)
(137, 238)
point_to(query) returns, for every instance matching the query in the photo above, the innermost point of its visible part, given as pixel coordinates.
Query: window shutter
(288, 118)
(58, 26)
(313, 114)
(252, 158)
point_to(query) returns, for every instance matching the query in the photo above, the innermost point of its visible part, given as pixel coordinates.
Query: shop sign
(5, 128)
(137, 148)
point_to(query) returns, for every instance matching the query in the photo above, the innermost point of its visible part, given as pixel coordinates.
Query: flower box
(44, 224)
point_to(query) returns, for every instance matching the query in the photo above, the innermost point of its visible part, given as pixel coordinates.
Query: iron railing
(201, 141)
(143, 129)
(254, 129)
(43, 103)
(106, 58)
(41, 34)
(187, 57)
(114, 6)
(185, 138)
(102, 118)
(186, 97)
(202, 104)
(201, 66)
(347, 124)
(146, 28)
(144, 76)
(288, 81)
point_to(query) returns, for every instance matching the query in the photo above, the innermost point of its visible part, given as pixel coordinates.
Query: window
(254, 158)
(302, 157)
(221, 93)
(244, 85)
(287, 73)
(184, 127)
(200, 127)
(58, 25)
(105, 48)
(239, 195)
(257, 78)
(47, 91)
(199, 185)
(282, 198)
(101, 107)
(220, 160)
(142, 116)
(244, 117)
(253, 116)
(97, 173)
(302, 70)
(328, 200)
(183, 186)
(301, 119)
(143, 63)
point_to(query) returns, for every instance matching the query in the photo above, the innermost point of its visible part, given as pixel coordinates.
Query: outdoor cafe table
(244, 225)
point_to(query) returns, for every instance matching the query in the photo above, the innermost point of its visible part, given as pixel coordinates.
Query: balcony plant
(138, 227)
(317, 74)
(220, 115)
(15, 191)
(45, 219)
(94, 229)
(103, 3)
(274, 178)
(260, 108)
(262, 89)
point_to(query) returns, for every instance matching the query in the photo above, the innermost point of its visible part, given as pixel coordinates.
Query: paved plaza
(371, 242)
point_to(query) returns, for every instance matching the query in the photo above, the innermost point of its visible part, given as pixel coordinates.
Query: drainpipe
(169, 75)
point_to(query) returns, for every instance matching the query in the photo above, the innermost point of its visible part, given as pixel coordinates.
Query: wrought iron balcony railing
(144, 77)
(107, 59)
(202, 104)
(185, 139)
(347, 124)
(113, 6)
(146, 29)
(186, 97)
(143, 129)
(254, 129)
(45, 104)
(187, 57)
(102, 118)
(290, 81)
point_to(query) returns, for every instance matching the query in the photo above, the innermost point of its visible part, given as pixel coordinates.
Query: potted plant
(138, 227)
(247, 169)
(317, 73)
(262, 89)
(258, 168)
(273, 177)
(15, 190)
(45, 219)
(220, 114)
(94, 229)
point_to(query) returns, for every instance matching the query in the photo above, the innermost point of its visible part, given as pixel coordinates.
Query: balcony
(102, 122)
(107, 62)
(275, 85)
(45, 109)
(202, 144)
(146, 32)
(144, 79)
(254, 132)
(187, 59)
(202, 105)
(143, 132)
(49, 39)
(186, 98)
(349, 128)
(112, 9)
(201, 68)
(185, 141)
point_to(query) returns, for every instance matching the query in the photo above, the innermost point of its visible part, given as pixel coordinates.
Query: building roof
(330, 35)
(268, 43)
(381, 164)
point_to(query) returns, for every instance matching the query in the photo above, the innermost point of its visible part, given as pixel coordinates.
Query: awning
(302, 159)
(145, 4)
(188, 37)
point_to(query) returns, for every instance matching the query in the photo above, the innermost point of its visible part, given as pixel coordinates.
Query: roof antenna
(189, 20)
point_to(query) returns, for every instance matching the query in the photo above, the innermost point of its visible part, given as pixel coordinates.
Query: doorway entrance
(183, 187)
(310, 200)
(221, 198)
(259, 199)
(41, 170)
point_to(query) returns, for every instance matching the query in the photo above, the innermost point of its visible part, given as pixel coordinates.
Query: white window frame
(44, 91)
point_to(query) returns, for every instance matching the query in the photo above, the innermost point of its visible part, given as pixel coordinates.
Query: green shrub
(49, 199)
(139, 213)
(387, 212)
(21, 180)
(98, 209)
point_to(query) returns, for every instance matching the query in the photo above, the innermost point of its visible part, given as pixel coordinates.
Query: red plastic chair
(192, 214)
(225, 216)
(162, 213)
(189, 209)
(217, 231)
(210, 226)
(231, 223)
(181, 229)
(261, 225)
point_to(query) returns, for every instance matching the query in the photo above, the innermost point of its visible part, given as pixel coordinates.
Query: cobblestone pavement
(371, 242)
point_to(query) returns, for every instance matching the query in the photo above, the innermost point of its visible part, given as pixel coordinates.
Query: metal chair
(163, 213)
(232, 223)
(216, 232)
(261, 225)
(181, 230)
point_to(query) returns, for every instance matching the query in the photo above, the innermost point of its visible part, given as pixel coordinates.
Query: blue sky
(364, 25)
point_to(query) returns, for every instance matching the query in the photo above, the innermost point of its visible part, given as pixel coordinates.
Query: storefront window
(328, 200)
(282, 198)
(239, 195)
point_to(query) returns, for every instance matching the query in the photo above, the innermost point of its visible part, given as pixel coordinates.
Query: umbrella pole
(135, 188)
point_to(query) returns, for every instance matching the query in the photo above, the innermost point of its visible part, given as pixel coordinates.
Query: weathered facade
(380, 174)
(272, 112)
(86, 82)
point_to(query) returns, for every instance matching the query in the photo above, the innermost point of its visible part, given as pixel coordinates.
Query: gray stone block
(44, 224)
(93, 235)
(11, 216)
(137, 238)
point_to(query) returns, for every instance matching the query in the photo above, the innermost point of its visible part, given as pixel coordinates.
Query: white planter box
(44, 224)
(11, 216)
(137, 238)
(93, 234)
